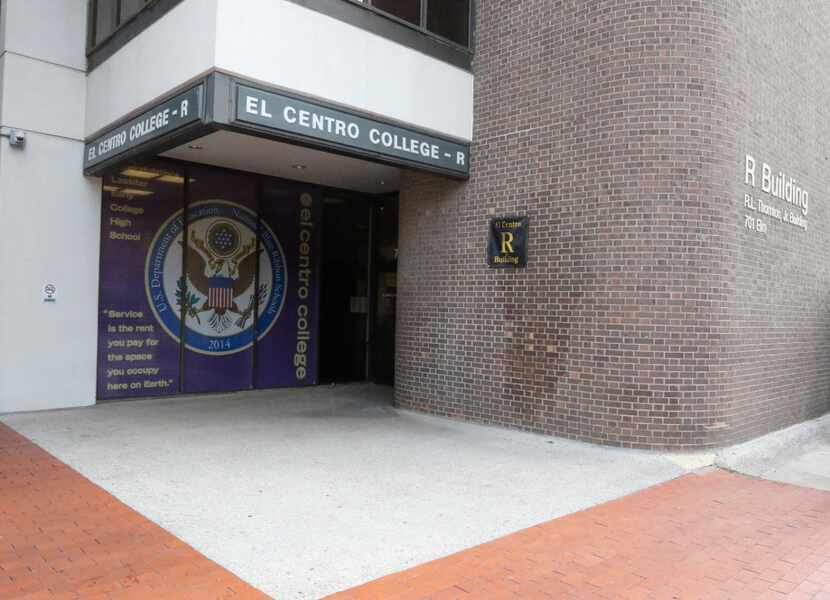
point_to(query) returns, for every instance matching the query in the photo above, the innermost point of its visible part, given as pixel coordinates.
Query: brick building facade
(658, 309)
(676, 294)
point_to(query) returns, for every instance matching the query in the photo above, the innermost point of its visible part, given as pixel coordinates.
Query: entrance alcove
(234, 262)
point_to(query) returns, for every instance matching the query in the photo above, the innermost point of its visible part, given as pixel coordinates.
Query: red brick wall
(617, 127)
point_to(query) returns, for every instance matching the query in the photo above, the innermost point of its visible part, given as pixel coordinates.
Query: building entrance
(359, 267)
(214, 280)
(345, 297)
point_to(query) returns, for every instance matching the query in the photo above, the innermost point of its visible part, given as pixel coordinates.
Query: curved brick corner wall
(620, 129)
(779, 307)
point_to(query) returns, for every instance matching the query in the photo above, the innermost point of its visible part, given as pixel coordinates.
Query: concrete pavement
(799, 455)
(306, 492)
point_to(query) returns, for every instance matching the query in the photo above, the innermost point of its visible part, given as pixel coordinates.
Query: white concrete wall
(3, 6)
(174, 50)
(49, 30)
(285, 45)
(49, 212)
(49, 218)
(43, 96)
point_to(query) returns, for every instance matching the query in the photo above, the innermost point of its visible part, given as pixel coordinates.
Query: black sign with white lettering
(334, 126)
(160, 120)
(507, 243)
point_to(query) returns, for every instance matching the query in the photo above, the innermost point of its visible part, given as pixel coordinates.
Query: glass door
(344, 327)
(385, 289)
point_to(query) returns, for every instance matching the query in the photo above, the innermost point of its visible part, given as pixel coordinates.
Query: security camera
(17, 138)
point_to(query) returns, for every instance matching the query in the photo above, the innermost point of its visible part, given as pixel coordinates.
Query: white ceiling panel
(267, 157)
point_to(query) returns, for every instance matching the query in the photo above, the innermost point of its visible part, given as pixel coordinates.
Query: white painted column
(49, 212)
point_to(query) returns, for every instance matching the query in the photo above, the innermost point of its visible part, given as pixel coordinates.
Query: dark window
(130, 7)
(449, 19)
(106, 19)
(408, 10)
(108, 15)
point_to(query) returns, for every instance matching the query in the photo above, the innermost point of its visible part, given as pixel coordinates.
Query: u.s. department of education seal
(220, 289)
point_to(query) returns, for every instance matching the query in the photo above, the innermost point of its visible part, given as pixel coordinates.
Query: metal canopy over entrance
(221, 102)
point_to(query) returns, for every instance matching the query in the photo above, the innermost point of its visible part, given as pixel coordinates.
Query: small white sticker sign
(50, 292)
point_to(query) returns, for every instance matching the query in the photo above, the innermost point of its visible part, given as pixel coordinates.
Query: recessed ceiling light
(171, 178)
(134, 192)
(381, 182)
(195, 147)
(139, 173)
(299, 167)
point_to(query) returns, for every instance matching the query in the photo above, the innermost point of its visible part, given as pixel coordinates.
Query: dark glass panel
(130, 8)
(385, 289)
(344, 306)
(289, 273)
(138, 324)
(408, 10)
(220, 270)
(106, 19)
(449, 19)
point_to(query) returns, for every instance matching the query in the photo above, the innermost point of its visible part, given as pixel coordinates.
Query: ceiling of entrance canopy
(268, 157)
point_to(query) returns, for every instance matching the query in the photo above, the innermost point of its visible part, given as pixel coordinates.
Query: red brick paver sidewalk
(716, 535)
(62, 537)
